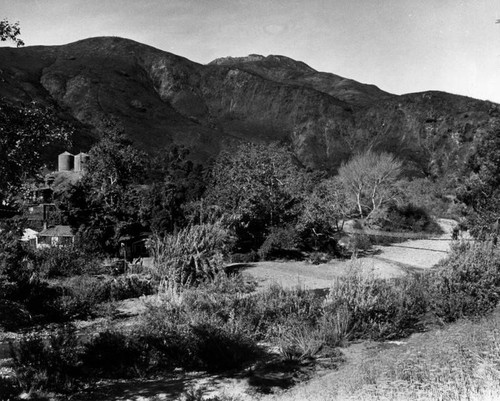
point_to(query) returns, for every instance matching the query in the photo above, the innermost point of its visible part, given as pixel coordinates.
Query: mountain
(288, 71)
(159, 98)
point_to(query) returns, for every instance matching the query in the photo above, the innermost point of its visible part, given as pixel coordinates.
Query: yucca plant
(191, 255)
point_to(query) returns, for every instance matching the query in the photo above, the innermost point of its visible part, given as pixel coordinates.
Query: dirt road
(385, 262)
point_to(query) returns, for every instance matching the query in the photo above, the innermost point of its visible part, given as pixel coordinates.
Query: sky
(402, 46)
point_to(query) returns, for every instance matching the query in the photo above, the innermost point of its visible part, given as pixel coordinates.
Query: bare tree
(370, 177)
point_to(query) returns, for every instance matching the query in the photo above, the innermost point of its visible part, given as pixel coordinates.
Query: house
(57, 236)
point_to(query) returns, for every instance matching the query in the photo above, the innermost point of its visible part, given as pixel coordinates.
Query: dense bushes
(467, 283)
(406, 218)
(191, 255)
(219, 324)
(67, 262)
(282, 242)
(48, 363)
(377, 308)
(28, 297)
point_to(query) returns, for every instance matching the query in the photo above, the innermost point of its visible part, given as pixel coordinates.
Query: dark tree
(26, 133)
(259, 186)
(480, 187)
(11, 32)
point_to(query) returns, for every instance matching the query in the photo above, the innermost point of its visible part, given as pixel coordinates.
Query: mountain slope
(159, 98)
(286, 70)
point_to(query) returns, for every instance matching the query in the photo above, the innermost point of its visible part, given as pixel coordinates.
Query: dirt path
(385, 262)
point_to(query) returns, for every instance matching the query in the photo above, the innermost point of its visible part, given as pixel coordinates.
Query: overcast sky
(401, 46)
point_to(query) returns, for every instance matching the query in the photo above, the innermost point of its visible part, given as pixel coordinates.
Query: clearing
(385, 261)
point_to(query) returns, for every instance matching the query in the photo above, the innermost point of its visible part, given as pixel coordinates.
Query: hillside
(288, 71)
(159, 98)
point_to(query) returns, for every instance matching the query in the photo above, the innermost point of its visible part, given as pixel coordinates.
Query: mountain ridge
(159, 98)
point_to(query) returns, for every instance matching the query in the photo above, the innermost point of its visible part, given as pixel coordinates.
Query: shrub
(249, 257)
(130, 286)
(67, 262)
(200, 328)
(298, 341)
(221, 347)
(412, 218)
(191, 255)
(80, 297)
(51, 364)
(281, 242)
(266, 312)
(467, 283)
(460, 362)
(111, 354)
(13, 315)
(377, 308)
(9, 389)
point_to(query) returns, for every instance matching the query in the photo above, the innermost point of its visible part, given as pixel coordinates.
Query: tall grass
(461, 362)
(191, 255)
(377, 308)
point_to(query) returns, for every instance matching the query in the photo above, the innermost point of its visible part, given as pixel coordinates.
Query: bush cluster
(191, 255)
(282, 242)
(378, 308)
(67, 262)
(28, 297)
(218, 324)
(467, 283)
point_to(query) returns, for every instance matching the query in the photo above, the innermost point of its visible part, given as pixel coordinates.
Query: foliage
(79, 297)
(22, 292)
(27, 298)
(190, 255)
(113, 354)
(404, 218)
(52, 365)
(66, 262)
(198, 329)
(9, 388)
(26, 133)
(467, 283)
(130, 286)
(378, 309)
(9, 31)
(281, 242)
(369, 180)
(323, 214)
(260, 186)
(479, 190)
(460, 362)
(174, 182)
(435, 196)
(112, 195)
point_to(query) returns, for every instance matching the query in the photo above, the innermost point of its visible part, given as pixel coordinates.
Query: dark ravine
(159, 98)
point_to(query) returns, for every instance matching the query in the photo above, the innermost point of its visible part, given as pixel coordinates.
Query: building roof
(57, 231)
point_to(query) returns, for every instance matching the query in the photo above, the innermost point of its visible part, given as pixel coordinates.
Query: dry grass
(461, 362)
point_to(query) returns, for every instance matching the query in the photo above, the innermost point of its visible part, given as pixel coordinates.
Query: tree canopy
(480, 186)
(9, 31)
(259, 185)
(26, 132)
